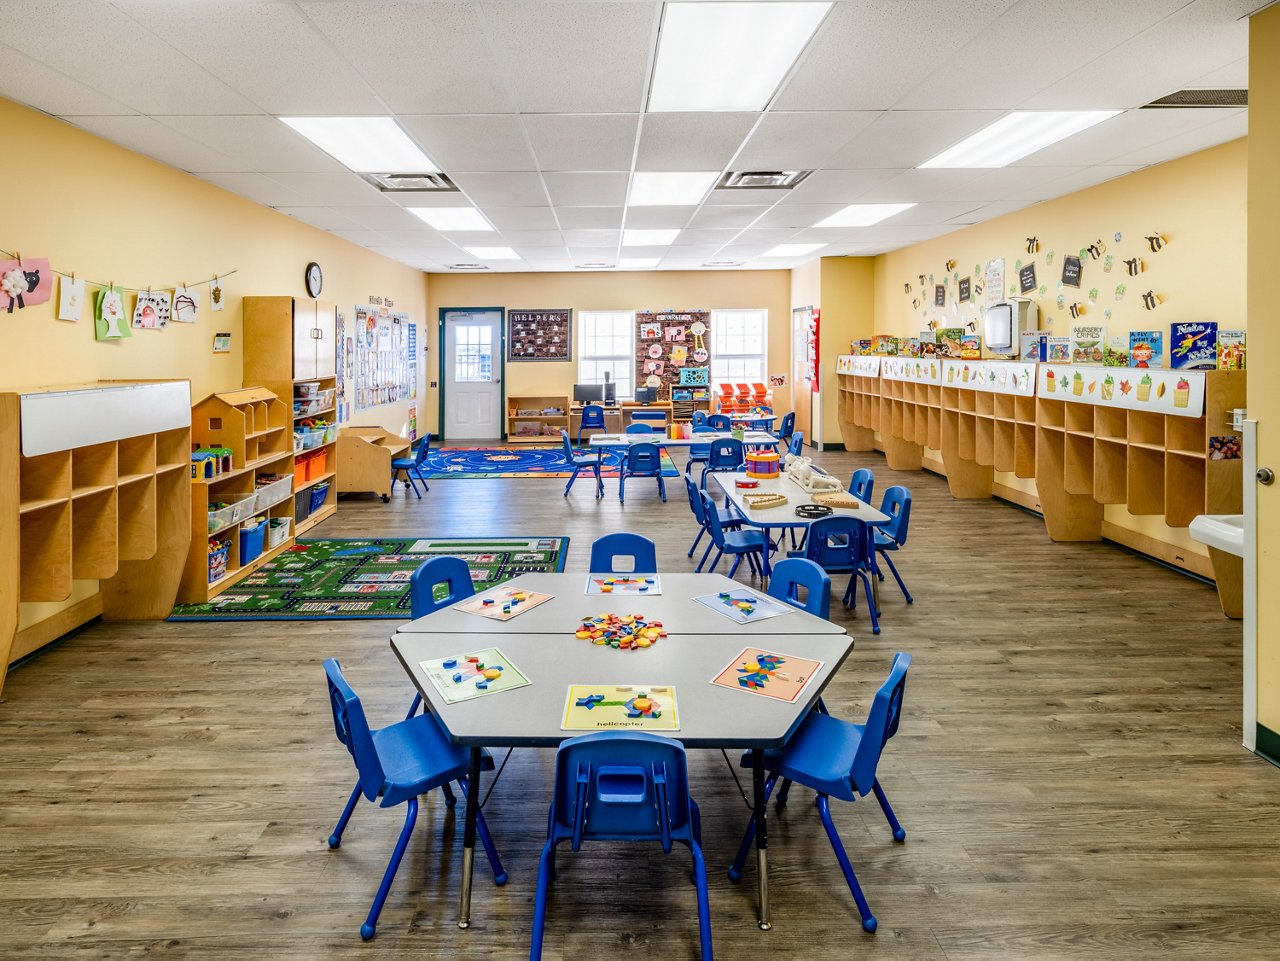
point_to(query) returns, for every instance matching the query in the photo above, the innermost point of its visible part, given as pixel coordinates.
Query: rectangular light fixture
(638, 263)
(451, 218)
(728, 56)
(1016, 135)
(792, 250)
(863, 215)
(662, 189)
(633, 237)
(367, 145)
(492, 253)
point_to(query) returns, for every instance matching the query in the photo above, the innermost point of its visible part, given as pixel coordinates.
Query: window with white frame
(738, 346)
(606, 344)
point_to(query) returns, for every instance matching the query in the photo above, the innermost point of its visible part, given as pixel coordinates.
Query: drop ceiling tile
(486, 142)
(715, 237)
(326, 218)
(919, 186)
(801, 140)
(583, 141)
(542, 253)
(798, 215)
(330, 189)
(587, 189)
(1013, 183)
(1232, 76)
(1229, 128)
(573, 57)
(258, 188)
(254, 142)
(364, 238)
(691, 141)
(1085, 178)
(590, 217)
(502, 189)
(420, 58)
(768, 236)
(654, 217)
(385, 217)
(738, 216)
(593, 255)
(428, 198)
(520, 218)
(907, 138)
(749, 198)
(932, 213)
(533, 238)
(145, 136)
(693, 253)
(591, 238)
(840, 186)
(990, 212)
(29, 81)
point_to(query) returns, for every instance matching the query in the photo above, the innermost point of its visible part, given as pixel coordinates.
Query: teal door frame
(502, 367)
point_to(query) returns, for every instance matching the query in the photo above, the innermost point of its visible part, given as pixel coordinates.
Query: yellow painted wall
(1264, 338)
(848, 308)
(1197, 202)
(630, 290)
(112, 215)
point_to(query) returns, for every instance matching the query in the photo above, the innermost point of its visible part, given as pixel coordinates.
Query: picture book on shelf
(949, 341)
(1087, 343)
(1193, 346)
(862, 348)
(971, 345)
(884, 344)
(910, 346)
(1146, 348)
(928, 343)
(1035, 346)
(1058, 350)
(1231, 350)
(1116, 351)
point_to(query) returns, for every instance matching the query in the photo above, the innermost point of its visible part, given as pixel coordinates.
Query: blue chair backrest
(897, 504)
(701, 450)
(621, 786)
(568, 446)
(837, 543)
(788, 424)
(644, 460)
(797, 443)
(882, 724)
(711, 514)
(699, 418)
(639, 429)
(423, 451)
(796, 572)
(452, 572)
(592, 416)
(607, 549)
(719, 421)
(352, 728)
(725, 454)
(695, 501)
(862, 484)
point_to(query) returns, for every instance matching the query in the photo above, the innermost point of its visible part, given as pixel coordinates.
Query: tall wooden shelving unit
(287, 342)
(93, 486)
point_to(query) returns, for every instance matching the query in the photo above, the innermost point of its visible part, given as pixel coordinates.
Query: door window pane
(472, 353)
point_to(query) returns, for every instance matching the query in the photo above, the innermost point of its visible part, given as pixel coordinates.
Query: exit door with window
(472, 375)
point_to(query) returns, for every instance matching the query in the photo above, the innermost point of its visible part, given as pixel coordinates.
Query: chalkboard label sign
(939, 295)
(1027, 278)
(964, 290)
(1071, 268)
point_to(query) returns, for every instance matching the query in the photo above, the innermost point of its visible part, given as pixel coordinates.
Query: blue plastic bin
(318, 495)
(251, 541)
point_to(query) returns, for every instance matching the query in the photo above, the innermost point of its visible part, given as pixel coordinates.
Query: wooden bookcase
(290, 342)
(548, 425)
(255, 426)
(93, 485)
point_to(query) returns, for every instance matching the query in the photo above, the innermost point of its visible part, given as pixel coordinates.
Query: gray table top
(785, 516)
(675, 607)
(709, 715)
(752, 438)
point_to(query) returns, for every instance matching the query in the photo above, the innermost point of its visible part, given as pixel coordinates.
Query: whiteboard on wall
(65, 419)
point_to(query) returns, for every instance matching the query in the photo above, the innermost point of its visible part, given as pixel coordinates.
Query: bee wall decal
(1155, 242)
(1134, 266)
(1150, 300)
(1096, 249)
(1033, 245)
(951, 265)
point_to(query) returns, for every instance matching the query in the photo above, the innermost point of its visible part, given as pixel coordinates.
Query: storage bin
(251, 541)
(242, 505)
(297, 441)
(277, 531)
(300, 470)
(218, 560)
(308, 389)
(330, 434)
(302, 505)
(311, 438)
(313, 403)
(318, 495)
(317, 464)
(273, 491)
(221, 517)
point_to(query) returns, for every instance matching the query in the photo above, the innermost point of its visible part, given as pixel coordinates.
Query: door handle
(1266, 476)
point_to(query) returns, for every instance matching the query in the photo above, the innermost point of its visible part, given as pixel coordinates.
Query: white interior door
(472, 365)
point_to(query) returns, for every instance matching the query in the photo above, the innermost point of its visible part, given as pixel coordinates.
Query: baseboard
(51, 628)
(1267, 746)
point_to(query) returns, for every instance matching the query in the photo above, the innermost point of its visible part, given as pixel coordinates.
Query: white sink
(1223, 531)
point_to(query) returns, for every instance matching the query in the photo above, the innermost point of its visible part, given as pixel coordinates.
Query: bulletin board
(380, 358)
(673, 349)
(540, 335)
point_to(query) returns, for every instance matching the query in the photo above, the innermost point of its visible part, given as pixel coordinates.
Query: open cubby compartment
(1077, 464)
(1005, 453)
(935, 395)
(1110, 471)
(984, 403)
(93, 468)
(1024, 449)
(136, 458)
(935, 428)
(95, 532)
(1184, 488)
(951, 398)
(1078, 418)
(967, 400)
(280, 415)
(138, 505)
(1024, 409)
(1111, 422)
(984, 441)
(1050, 455)
(173, 448)
(1224, 488)
(1186, 435)
(1146, 429)
(966, 435)
(44, 555)
(1004, 406)
(1145, 472)
(923, 412)
(1050, 414)
(895, 418)
(44, 479)
(275, 442)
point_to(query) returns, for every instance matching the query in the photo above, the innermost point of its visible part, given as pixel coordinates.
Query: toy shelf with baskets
(537, 420)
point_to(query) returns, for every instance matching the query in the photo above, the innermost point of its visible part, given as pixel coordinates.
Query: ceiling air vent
(599, 266)
(723, 263)
(761, 179)
(1201, 98)
(411, 183)
(466, 266)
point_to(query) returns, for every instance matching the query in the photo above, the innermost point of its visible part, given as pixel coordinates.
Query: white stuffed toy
(809, 478)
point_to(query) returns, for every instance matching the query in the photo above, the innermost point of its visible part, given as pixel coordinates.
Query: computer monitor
(646, 395)
(588, 393)
(610, 392)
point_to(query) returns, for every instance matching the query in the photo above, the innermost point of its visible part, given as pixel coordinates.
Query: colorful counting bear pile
(620, 631)
(512, 601)
(473, 667)
(743, 604)
(607, 584)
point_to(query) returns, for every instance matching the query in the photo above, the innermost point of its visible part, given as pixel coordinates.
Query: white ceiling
(535, 109)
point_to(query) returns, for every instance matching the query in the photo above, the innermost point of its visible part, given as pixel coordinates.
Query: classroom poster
(380, 341)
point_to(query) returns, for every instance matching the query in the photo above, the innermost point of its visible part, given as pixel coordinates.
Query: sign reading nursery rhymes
(681, 355)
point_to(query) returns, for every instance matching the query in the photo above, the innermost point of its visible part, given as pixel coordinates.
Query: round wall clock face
(315, 279)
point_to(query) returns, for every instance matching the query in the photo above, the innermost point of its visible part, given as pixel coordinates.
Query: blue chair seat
(417, 756)
(736, 541)
(819, 755)
(884, 542)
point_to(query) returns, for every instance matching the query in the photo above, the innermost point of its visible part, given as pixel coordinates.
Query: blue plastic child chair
(606, 550)
(788, 426)
(642, 460)
(720, 422)
(639, 428)
(699, 453)
(580, 461)
(725, 454)
(800, 572)
(838, 759)
(796, 446)
(412, 468)
(862, 484)
(699, 418)
(396, 765)
(592, 419)
(729, 520)
(751, 544)
(842, 545)
(892, 535)
(621, 786)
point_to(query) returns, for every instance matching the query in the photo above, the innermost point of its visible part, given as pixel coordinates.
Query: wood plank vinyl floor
(1069, 773)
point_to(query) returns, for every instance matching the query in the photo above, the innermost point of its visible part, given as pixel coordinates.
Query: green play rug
(336, 578)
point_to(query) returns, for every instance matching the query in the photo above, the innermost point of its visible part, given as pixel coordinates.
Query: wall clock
(315, 279)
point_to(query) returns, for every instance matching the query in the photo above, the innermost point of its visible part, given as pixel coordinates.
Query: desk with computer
(618, 415)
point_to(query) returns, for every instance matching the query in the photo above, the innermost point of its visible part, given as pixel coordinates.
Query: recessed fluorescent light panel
(451, 218)
(792, 250)
(637, 263)
(1017, 135)
(728, 56)
(367, 145)
(863, 215)
(492, 253)
(633, 237)
(650, 189)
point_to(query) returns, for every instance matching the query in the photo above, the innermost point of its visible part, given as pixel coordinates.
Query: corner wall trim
(1268, 745)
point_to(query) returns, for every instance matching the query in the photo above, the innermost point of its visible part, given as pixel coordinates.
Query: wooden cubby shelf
(547, 414)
